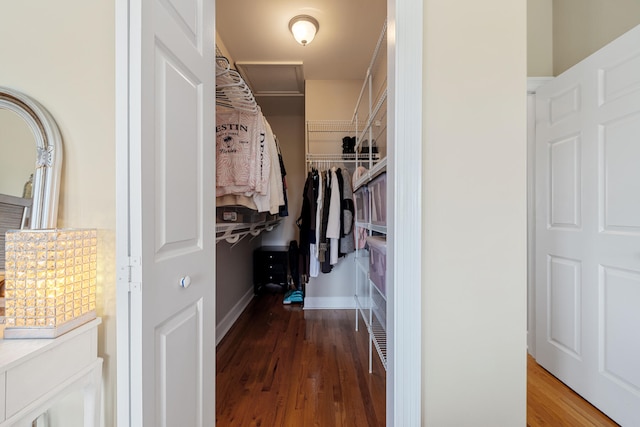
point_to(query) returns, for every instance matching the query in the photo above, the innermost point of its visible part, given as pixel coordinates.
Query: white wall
(62, 54)
(539, 38)
(331, 99)
(561, 33)
(581, 27)
(234, 277)
(474, 213)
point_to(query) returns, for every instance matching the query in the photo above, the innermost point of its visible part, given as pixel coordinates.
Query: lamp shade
(303, 28)
(50, 283)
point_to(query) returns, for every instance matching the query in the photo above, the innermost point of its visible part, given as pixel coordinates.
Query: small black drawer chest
(270, 267)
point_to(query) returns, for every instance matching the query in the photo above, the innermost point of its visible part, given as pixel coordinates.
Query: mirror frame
(48, 162)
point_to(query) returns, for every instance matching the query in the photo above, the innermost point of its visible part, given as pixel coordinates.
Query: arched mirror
(31, 157)
(30, 165)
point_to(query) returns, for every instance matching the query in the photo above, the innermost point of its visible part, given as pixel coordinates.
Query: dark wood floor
(282, 366)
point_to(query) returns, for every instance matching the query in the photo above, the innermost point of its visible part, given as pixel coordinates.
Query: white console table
(34, 373)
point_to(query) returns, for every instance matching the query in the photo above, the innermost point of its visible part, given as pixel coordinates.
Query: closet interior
(325, 151)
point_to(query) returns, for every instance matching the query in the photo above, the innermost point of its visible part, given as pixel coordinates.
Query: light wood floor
(551, 403)
(282, 366)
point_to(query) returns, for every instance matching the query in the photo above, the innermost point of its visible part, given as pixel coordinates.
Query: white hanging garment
(333, 225)
(314, 262)
(319, 212)
(274, 195)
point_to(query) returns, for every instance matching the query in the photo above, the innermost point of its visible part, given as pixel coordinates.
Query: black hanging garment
(325, 245)
(303, 223)
(294, 264)
(341, 190)
(284, 209)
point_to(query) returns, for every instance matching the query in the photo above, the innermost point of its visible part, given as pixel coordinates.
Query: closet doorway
(241, 28)
(136, 24)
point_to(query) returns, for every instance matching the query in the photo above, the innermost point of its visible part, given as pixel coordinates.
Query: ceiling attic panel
(273, 78)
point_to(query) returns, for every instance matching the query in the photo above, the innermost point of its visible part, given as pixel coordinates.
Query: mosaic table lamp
(50, 283)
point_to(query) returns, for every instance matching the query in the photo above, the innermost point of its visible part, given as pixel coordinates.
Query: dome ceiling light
(303, 28)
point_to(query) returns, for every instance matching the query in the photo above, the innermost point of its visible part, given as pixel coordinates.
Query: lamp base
(24, 332)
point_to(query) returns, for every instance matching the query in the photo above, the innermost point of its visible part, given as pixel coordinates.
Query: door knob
(185, 281)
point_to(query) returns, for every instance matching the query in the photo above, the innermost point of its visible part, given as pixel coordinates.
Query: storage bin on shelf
(363, 288)
(241, 214)
(361, 201)
(378, 262)
(378, 194)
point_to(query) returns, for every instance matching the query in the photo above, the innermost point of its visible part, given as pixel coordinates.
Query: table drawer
(265, 270)
(273, 278)
(3, 380)
(38, 375)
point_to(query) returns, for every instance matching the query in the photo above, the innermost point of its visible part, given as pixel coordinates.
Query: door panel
(170, 223)
(178, 109)
(620, 174)
(564, 309)
(587, 228)
(565, 183)
(620, 79)
(620, 302)
(179, 342)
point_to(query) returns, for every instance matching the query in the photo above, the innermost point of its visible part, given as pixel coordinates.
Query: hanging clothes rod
(327, 161)
(231, 89)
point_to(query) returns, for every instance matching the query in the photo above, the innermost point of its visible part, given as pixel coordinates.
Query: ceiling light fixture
(303, 28)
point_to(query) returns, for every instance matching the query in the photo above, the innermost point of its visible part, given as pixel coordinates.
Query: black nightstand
(270, 268)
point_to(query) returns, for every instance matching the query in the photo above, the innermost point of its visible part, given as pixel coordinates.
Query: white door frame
(405, 75)
(533, 83)
(405, 104)
(123, 391)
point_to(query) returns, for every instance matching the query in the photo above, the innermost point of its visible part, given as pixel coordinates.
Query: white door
(588, 228)
(166, 231)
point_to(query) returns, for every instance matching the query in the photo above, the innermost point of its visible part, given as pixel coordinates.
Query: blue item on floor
(293, 297)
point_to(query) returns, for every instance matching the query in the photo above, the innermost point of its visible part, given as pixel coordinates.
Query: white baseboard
(321, 303)
(227, 322)
(531, 344)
